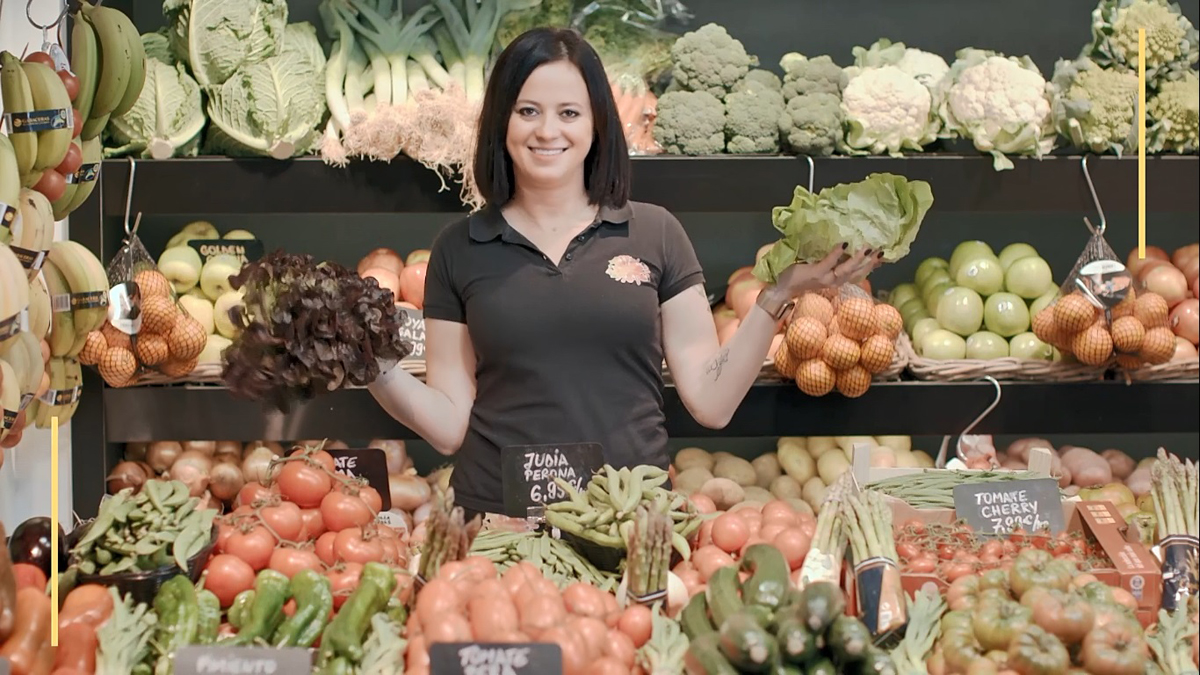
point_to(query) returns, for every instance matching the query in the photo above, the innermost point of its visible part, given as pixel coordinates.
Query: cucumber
(722, 595)
(877, 662)
(796, 643)
(704, 657)
(768, 581)
(694, 618)
(821, 667)
(849, 640)
(746, 644)
(820, 603)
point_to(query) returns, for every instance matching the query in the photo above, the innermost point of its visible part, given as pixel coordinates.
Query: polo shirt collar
(488, 224)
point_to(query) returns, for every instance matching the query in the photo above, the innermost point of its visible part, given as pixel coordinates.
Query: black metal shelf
(217, 185)
(909, 408)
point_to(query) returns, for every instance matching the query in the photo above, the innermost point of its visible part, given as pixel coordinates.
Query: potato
(786, 487)
(883, 457)
(1146, 462)
(724, 492)
(906, 460)
(924, 461)
(814, 493)
(897, 443)
(687, 482)
(1087, 467)
(1140, 482)
(792, 441)
(819, 445)
(831, 466)
(758, 495)
(688, 458)
(766, 467)
(801, 506)
(718, 456)
(847, 443)
(797, 463)
(737, 470)
(1122, 464)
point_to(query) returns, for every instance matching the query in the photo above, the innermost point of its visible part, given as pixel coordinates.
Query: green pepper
(210, 616)
(1036, 652)
(178, 620)
(270, 595)
(314, 599)
(239, 611)
(344, 636)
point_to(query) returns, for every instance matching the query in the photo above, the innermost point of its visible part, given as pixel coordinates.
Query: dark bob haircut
(606, 169)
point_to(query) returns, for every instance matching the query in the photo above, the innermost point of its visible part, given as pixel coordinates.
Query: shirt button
(568, 256)
(579, 238)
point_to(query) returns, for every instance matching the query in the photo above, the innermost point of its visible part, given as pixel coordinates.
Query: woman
(549, 312)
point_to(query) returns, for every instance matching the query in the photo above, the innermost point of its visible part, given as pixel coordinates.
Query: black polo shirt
(565, 354)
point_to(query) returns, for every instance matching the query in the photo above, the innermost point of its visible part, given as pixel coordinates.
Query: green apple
(902, 293)
(1042, 302)
(1030, 347)
(928, 266)
(960, 310)
(1005, 314)
(1029, 278)
(915, 317)
(932, 294)
(921, 329)
(201, 309)
(911, 307)
(200, 229)
(213, 348)
(214, 278)
(982, 275)
(934, 278)
(181, 265)
(221, 310)
(238, 234)
(986, 345)
(1014, 252)
(942, 345)
(969, 250)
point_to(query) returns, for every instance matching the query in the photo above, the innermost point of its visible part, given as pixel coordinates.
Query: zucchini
(848, 639)
(762, 615)
(746, 644)
(704, 657)
(768, 582)
(722, 595)
(820, 603)
(821, 667)
(877, 662)
(782, 667)
(796, 643)
(792, 597)
(694, 618)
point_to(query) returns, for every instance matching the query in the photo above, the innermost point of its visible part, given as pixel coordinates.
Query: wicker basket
(1176, 370)
(1005, 369)
(892, 373)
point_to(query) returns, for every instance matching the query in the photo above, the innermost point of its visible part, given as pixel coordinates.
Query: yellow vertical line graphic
(54, 531)
(1141, 158)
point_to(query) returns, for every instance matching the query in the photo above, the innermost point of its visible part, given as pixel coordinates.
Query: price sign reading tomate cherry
(529, 473)
(1004, 506)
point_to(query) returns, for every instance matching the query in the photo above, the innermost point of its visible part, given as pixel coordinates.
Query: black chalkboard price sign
(5, 667)
(468, 658)
(1003, 506)
(528, 473)
(222, 660)
(412, 331)
(368, 463)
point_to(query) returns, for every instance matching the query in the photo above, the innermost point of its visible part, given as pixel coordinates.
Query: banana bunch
(10, 398)
(40, 314)
(80, 183)
(24, 355)
(33, 231)
(42, 121)
(62, 396)
(14, 292)
(10, 188)
(110, 61)
(72, 271)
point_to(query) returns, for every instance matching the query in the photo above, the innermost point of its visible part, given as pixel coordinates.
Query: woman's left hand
(831, 272)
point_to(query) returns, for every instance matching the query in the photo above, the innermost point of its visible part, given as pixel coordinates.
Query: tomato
(71, 161)
(994, 579)
(52, 185)
(1113, 493)
(40, 57)
(956, 620)
(371, 497)
(923, 563)
(305, 482)
(226, 576)
(1067, 617)
(995, 624)
(283, 519)
(340, 511)
(225, 528)
(343, 577)
(960, 649)
(962, 593)
(907, 550)
(953, 571)
(636, 622)
(353, 545)
(1115, 649)
(946, 551)
(70, 83)
(1061, 544)
(1036, 652)
(915, 527)
(393, 551)
(252, 492)
(253, 544)
(1017, 536)
(991, 547)
(311, 524)
(288, 561)
(1035, 567)
(324, 548)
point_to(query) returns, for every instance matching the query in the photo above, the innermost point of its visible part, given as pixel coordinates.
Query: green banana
(49, 95)
(62, 331)
(137, 65)
(18, 99)
(116, 57)
(85, 61)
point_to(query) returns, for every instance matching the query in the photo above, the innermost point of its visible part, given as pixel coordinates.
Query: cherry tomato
(40, 57)
(70, 83)
(924, 563)
(253, 545)
(915, 527)
(71, 161)
(1017, 536)
(344, 579)
(52, 185)
(304, 483)
(284, 519)
(946, 551)
(993, 548)
(226, 576)
(352, 546)
(955, 570)
(288, 561)
(340, 511)
(907, 550)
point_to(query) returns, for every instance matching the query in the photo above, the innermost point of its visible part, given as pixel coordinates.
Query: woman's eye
(571, 113)
(526, 112)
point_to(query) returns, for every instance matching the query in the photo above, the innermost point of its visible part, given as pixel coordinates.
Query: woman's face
(550, 128)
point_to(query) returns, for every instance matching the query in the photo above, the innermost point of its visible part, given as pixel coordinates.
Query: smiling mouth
(548, 152)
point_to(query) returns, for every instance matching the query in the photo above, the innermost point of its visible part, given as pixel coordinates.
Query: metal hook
(1087, 175)
(812, 170)
(129, 200)
(940, 462)
(29, 15)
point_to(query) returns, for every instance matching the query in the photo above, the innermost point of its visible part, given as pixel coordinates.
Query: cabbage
(167, 118)
(217, 37)
(884, 212)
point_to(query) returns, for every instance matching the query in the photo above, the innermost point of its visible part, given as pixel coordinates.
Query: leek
(388, 41)
(472, 28)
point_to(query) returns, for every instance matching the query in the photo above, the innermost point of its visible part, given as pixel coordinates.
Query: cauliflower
(690, 123)
(1172, 42)
(802, 75)
(926, 67)
(1000, 103)
(1095, 107)
(709, 59)
(752, 120)
(887, 111)
(759, 78)
(811, 124)
(1176, 114)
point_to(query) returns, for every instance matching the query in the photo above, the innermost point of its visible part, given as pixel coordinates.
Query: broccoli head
(710, 59)
(803, 75)
(759, 78)
(811, 124)
(752, 120)
(546, 14)
(690, 123)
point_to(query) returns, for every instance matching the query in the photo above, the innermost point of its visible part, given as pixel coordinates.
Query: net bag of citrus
(838, 339)
(1133, 332)
(146, 330)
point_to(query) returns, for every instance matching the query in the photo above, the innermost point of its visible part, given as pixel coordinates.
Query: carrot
(31, 631)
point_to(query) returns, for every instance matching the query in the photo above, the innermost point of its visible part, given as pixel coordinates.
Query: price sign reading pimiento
(461, 658)
(1001, 507)
(368, 463)
(5, 667)
(412, 331)
(528, 472)
(218, 660)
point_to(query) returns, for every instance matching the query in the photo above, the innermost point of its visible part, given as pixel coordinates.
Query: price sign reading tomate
(368, 463)
(1002, 507)
(528, 472)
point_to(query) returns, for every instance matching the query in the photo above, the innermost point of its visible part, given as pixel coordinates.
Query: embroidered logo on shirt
(628, 270)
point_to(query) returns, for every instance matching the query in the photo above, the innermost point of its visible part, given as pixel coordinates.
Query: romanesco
(887, 111)
(752, 120)
(690, 123)
(710, 59)
(1095, 107)
(1176, 114)
(1172, 42)
(758, 78)
(812, 123)
(802, 75)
